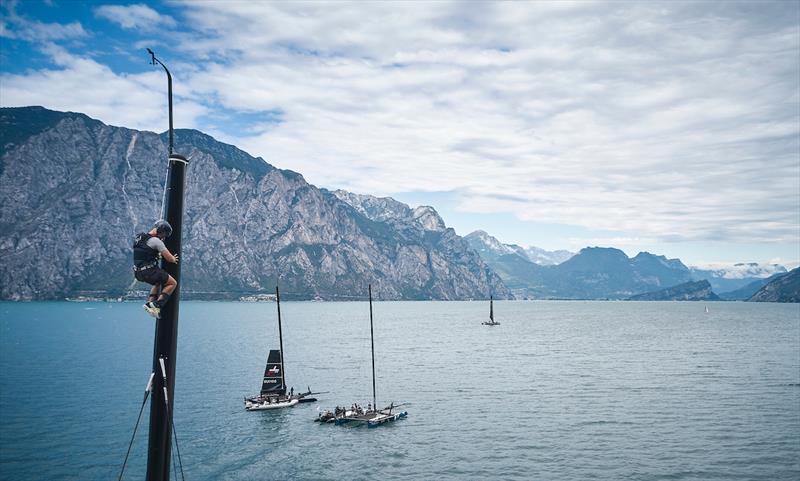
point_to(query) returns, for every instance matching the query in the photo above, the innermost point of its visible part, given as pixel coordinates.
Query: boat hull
(263, 406)
(385, 418)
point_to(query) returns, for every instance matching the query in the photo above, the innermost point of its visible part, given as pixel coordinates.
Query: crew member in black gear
(148, 248)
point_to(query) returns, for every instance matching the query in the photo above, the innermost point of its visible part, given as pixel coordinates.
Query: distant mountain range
(607, 273)
(73, 191)
(490, 248)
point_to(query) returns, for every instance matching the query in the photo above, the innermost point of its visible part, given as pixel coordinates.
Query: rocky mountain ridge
(784, 288)
(688, 291)
(489, 247)
(74, 191)
(608, 273)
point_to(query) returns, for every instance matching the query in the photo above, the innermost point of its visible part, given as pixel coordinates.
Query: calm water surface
(560, 390)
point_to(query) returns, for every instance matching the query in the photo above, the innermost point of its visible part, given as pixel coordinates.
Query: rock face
(74, 191)
(785, 288)
(688, 291)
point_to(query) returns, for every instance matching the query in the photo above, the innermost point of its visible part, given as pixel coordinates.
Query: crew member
(148, 247)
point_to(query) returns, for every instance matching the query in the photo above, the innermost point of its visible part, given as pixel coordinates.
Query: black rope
(144, 401)
(178, 450)
(175, 435)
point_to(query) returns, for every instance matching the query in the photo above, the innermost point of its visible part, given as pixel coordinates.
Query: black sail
(273, 375)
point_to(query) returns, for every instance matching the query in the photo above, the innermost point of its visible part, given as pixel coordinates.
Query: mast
(280, 336)
(166, 335)
(372, 343)
(491, 308)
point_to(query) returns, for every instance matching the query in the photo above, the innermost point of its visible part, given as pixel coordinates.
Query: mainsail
(273, 375)
(491, 308)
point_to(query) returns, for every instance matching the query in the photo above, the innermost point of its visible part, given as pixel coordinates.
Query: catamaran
(491, 322)
(273, 393)
(371, 415)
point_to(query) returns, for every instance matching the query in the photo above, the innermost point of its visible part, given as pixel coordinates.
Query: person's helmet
(163, 228)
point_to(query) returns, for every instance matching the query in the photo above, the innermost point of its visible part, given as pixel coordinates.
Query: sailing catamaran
(491, 314)
(371, 416)
(273, 388)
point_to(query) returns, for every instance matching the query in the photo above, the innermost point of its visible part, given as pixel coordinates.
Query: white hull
(263, 406)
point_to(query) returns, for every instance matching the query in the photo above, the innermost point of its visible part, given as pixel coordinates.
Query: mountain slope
(74, 191)
(785, 288)
(746, 292)
(688, 291)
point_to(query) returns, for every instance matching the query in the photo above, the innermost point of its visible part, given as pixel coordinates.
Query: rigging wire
(144, 401)
(170, 420)
(163, 214)
(177, 449)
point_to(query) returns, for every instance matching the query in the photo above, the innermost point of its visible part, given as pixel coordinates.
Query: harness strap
(145, 267)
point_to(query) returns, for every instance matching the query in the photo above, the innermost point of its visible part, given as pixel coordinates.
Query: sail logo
(273, 371)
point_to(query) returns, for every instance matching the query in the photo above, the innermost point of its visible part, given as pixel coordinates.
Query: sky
(667, 127)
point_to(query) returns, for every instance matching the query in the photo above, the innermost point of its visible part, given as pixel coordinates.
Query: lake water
(560, 390)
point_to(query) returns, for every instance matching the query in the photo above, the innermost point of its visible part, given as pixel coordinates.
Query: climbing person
(148, 247)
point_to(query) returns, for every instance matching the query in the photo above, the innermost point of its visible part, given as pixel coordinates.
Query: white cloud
(659, 121)
(17, 27)
(83, 85)
(138, 16)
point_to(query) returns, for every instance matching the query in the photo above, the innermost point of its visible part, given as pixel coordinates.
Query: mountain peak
(227, 155)
(18, 124)
(429, 218)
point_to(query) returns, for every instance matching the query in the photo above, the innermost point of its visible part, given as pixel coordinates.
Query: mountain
(547, 258)
(491, 248)
(785, 288)
(688, 291)
(593, 273)
(73, 191)
(728, 278)
(746, 292)
(607, 273)
(509, 261)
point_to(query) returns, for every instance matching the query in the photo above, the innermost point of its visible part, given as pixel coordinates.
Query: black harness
(144, 257)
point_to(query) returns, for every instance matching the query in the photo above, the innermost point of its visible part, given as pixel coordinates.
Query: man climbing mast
(148, 247)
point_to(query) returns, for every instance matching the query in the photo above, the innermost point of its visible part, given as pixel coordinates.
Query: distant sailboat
(706, 309)
(491, 322)
(273, 387)
(371, 416)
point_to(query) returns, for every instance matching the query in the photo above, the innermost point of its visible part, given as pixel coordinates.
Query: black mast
(280, 336)
(166, 335)
(154, 61)
(372, 342)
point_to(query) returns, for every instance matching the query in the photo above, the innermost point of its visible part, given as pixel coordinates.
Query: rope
(144, 401)
(164, 197)
(171, 421)
(178, 450)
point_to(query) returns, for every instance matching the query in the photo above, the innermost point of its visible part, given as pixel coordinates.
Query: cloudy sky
(669, 127)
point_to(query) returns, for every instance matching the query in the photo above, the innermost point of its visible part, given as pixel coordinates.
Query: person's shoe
(152, 309)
